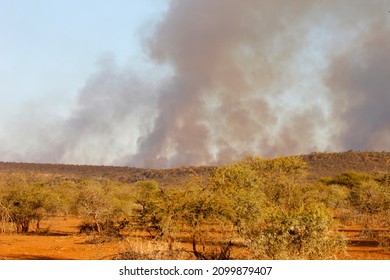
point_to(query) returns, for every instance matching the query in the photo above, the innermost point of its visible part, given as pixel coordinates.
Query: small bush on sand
(305, 233)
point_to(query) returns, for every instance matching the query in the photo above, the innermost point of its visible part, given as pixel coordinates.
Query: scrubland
(252, 209)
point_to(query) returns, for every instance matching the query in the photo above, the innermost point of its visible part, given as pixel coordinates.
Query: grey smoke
(359, 80)
(242, 56)
(265, 77)
(102, 127)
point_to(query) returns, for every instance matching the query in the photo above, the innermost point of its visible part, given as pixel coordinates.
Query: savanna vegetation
(252, 209)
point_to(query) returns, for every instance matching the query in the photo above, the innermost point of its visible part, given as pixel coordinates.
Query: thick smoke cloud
(359, 80)
(233, 61)
(252, 76)
(215, 109)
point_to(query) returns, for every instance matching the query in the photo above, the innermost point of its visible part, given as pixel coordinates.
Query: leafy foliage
(267, 204)
(371, 197)
(349, 179)
(25, 200)
(267, 207)
(157, 209)
(305, 233)
(101, 203)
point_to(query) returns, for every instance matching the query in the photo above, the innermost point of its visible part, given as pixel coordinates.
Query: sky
(159, 83)
(52, 47)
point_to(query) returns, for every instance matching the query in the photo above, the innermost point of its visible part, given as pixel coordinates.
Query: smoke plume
(360, 85)
(235, 60)
(251, 76)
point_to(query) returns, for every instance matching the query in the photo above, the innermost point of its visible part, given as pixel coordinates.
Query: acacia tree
(296, 224)
(228, 202)
(268, 203)
(237, 195)
(261, 203)
(25, 199)
(199, 212)
(156, 214)
(102, 204)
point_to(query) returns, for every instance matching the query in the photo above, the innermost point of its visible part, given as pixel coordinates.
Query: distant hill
(174, 176)
(320, 165)
(330, 164)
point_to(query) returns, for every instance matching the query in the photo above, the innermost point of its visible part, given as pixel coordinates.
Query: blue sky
(48, 49)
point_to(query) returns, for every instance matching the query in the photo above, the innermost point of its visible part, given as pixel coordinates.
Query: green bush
(305, 233)
(370, 197)
(349, 179)
(103, 204)
(237, 195)
(26, 199)
(273, 209)
(157, 209)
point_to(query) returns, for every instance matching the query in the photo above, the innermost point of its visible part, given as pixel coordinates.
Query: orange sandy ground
(63, 242)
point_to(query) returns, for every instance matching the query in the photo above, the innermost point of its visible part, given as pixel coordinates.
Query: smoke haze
(359, 82)
(265, 77)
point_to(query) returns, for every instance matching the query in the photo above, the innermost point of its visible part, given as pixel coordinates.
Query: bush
(280, 213)
(306, 233)
(349, 179)
(366, 203)
(370, 197)
(24, 200)
(237, 196)
(102, 204)
(157, 209)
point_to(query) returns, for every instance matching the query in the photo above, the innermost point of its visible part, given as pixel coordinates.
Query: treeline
(166, 177)
(319, 164)
(264, 207)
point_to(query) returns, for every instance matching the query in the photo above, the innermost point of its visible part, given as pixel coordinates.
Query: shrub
(349, 179)
(199, 207)
(24, 200)
(237, 196)
(370, 197)
(100, 204)
(306, 233)
(265, 204)
(275, 210)
(156, 213)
